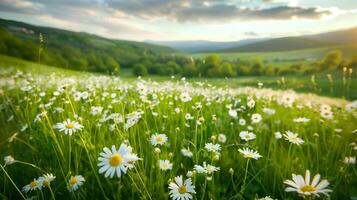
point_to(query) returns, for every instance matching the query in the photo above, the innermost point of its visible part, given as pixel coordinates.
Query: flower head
(47, 179)
(9, 160)
(206, 169)
(165, 165)
(180, 189)
(186, 152)
(293, 138)
(185, 97)
(74, 182)
(303, 186)
(246, 135)
(112, 161)
(256, 118)
(69, 127)
(158, 139)
(213, 147)
(249, 153)
(36, 184)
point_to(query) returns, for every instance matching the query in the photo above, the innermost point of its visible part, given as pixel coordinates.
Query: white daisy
(186, 152)
(46, 179)
(293, 138)
(256, 118)
(188, 116)
(249, 153)
(278, 135)
(9, 160)
(233, 113)
(301, 120)
(246, 135)
(74, 182)
(36, 184)
(350, 160)
(213, 147)
(158, 139)
(96, 110)
(269, 111)
(85, 95)
(303, 186)
(68, 127)
(242, 122)
(251, 103)
(116, 161)
(185, 97)
(181, 190)
(222, 138)
(206, 169)
(165, 165)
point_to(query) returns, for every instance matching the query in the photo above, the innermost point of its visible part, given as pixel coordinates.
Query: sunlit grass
(202, 123)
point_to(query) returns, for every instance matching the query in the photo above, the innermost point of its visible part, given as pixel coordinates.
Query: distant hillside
(279, 44)
(348, 36)
(342, 37)
(193, 46)
(75, 50)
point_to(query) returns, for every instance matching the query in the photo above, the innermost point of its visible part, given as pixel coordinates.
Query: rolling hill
(322, 40)
(194, 46)
(75, 50)
(341, 37)
(279, 44)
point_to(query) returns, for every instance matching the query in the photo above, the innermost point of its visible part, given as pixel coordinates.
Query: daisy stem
(142, 182)
(288, 157)
(136, 185)
(241, 192)
(69, 154)
(52, 194)
(7, 175)
(91, 164)
(30, 164)
(204, 189)
(233, 184)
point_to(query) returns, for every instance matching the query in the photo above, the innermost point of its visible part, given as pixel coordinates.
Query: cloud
(129, 19)
(82, 15)
(173, 10)
(208, 11)
(251, 33)
(20, 6)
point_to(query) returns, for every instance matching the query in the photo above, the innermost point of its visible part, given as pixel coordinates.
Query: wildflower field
(101, 137)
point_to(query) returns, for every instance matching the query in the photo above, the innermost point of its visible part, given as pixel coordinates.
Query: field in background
(299, 83)
(285, 58)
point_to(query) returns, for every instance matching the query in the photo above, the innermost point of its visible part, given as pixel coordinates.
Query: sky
(174, 20)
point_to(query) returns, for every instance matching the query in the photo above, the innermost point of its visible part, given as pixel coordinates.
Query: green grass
(300, 83)
(42, 97)
(159, 108)
(299, 55)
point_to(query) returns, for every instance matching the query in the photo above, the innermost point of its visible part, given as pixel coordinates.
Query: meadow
(284, 56)
(78, 135)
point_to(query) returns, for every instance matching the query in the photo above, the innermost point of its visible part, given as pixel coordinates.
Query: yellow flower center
(115, 160)
(308, 188)
(250, 155)
(73, 180)
(69, 125)
(33, 184)
(158, 139)
(182, 189)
